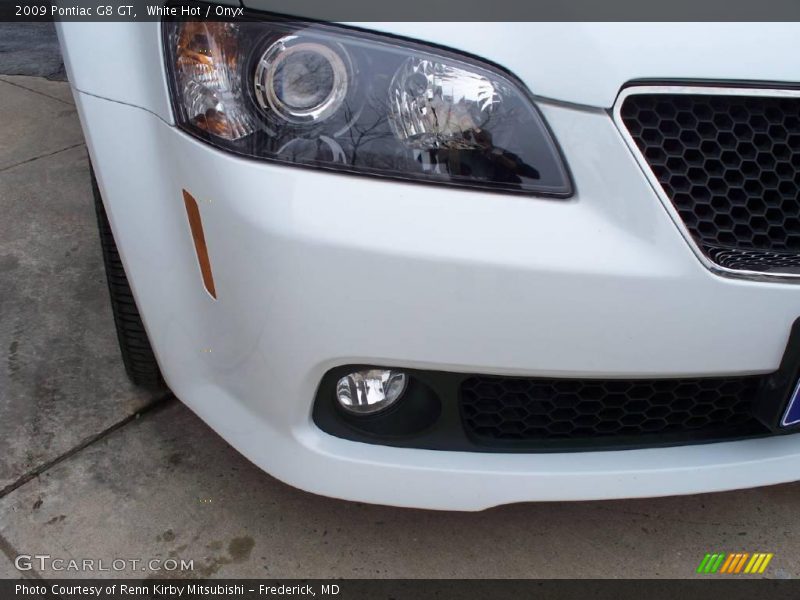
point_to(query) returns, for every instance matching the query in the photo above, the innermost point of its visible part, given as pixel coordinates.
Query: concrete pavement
(37, 128)
(7, 570)
(62, 382)
(83, 477)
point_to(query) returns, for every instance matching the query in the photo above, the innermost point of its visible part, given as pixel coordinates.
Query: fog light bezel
(417, 414)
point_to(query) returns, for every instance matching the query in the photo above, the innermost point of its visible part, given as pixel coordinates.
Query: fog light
(370, 391)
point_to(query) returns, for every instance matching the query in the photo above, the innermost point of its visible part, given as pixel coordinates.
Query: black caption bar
(413, 10)
(113, 11)
(403, 589)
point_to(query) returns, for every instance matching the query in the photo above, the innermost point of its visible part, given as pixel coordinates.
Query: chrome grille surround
(791, 274)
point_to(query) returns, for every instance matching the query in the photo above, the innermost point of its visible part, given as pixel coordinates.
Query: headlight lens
(335, 98)
(301, 82)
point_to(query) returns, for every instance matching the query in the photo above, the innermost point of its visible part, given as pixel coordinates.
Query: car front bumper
(315, 270)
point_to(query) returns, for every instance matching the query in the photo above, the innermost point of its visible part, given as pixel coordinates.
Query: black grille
(731, 167)
(755, 260)
(505, 409)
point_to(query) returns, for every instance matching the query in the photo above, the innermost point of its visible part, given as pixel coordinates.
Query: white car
(457, 265)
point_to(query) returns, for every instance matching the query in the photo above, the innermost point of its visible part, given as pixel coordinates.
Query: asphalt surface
(91, 467)
(30, 49)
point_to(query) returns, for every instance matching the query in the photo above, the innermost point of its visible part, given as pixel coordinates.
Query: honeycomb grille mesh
(750, 260)
(730, 165)
(496, 409)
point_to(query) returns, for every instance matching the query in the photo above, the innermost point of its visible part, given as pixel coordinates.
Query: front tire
(137, 353)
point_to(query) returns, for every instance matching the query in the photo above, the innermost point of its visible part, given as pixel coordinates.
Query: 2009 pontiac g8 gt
(456, 265)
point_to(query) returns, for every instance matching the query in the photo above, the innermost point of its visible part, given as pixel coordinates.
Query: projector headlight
(336, 98)
(301, 82)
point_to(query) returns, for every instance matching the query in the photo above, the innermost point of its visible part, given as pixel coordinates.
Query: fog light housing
(370, 391)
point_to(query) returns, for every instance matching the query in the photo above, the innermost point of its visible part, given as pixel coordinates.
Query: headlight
(336, 98)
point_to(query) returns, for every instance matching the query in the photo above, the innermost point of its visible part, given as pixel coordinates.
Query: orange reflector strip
(196, 225)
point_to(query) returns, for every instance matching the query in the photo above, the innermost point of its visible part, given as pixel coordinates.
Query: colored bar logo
(735, 563)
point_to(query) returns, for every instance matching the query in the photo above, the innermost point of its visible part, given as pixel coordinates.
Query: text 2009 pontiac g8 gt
(455, 265)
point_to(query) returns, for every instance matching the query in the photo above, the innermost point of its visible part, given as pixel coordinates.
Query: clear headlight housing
(335, 98)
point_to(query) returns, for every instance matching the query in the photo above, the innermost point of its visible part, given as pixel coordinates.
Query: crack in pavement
(30, 160)
(27, 89)
(37, 471)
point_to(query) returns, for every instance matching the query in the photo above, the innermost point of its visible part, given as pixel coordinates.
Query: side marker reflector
(196, 225)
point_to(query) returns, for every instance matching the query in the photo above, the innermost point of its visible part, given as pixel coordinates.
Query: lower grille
(505, 410)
